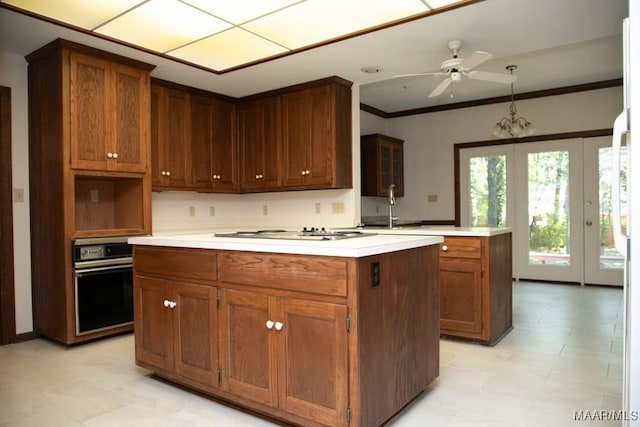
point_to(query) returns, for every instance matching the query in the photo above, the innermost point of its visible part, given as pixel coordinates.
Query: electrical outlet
(265, 210)
(432, 198)
(18, 195)
(192, 211)
(212, 211)
(318, 207)
(337, 208)
(94, 195)
(377, 208)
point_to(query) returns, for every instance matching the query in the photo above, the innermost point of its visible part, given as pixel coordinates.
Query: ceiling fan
(455, 68)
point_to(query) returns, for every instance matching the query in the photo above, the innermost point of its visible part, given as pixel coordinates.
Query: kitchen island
(315, 333)
(475, 279)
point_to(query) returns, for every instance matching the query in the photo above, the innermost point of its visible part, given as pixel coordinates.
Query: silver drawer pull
(445, 248)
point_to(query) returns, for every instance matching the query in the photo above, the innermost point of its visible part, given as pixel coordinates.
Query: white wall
(13, 74)
(429, 140)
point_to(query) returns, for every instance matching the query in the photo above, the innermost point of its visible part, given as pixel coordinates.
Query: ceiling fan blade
(440, 88)
(397, 76)
(475, 59)
(492, 77)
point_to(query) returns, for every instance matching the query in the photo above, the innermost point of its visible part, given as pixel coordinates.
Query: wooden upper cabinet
(317, 137)
(382, 164)
(109, 115)
(170, 138)
(260, 134)
(214, 144)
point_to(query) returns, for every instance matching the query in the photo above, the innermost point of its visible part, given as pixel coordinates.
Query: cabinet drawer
(194, 264)
(318, 275)
(461, 247)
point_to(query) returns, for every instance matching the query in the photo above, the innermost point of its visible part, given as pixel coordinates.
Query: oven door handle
(85, 265)
(82, 272)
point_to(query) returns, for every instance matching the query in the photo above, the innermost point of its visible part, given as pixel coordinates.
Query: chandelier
(513, 127)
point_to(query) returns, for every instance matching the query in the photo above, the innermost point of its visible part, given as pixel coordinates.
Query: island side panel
(500, 272)
(398, 330)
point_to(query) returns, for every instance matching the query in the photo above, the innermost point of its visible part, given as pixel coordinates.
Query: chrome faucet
(392, 201)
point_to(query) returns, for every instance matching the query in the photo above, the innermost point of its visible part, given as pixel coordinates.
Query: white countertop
(435, 230)
(353, 248)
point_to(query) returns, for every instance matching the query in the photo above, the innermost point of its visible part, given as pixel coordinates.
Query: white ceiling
(554, 43)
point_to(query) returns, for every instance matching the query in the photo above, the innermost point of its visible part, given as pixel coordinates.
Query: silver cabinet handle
(115, 155)
(445, 248)
(279, 326)
(167, 303)
(269, 324)
(110, 155)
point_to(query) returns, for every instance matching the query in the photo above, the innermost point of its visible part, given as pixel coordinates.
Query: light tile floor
(563, 355)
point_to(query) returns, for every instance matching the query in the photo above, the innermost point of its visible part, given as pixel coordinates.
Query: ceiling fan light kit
(512, 126)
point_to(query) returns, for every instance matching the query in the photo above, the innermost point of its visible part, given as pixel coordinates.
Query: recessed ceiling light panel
(314, 21)
(239, 11)
(221, 51)
(83, 14)
(162, 25)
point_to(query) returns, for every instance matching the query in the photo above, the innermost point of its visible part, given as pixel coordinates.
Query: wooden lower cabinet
(294, 360)
(176, 328)
(311, 340)
(476, 287)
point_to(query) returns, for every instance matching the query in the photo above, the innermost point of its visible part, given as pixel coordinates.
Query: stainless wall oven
(103, 282)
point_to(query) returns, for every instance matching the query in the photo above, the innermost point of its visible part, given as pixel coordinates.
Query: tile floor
(564, 354)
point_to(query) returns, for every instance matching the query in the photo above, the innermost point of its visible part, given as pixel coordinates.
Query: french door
(556, 197)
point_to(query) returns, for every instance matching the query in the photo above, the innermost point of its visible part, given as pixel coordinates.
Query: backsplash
(188, 211)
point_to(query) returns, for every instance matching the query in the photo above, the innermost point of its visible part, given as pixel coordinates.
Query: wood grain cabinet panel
(286, 352)
(248, 357)
(109, 115)
(260, 136)
(476, 287)
(170, 138)
(214, 144)
(316, 151)
(176, 328)
(382, 164)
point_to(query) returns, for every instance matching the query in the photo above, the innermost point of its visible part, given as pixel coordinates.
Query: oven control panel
(91, 252)
(100, 249)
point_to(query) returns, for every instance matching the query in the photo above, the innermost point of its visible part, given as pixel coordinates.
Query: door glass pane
(610, 258)
(548, 178)
(487, 191)
(385, 166)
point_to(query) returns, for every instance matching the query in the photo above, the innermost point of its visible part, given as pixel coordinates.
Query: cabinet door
(170, 138)
(90, 127)
(130, 119)
(260, 144)
(214, 144)
(109, 115)
(247, 346)
(201, 125)
(460, 295)
(312, 360)
(224, 147)
(397, 168)
(153, 323)
(307, 151)
(196, 354)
